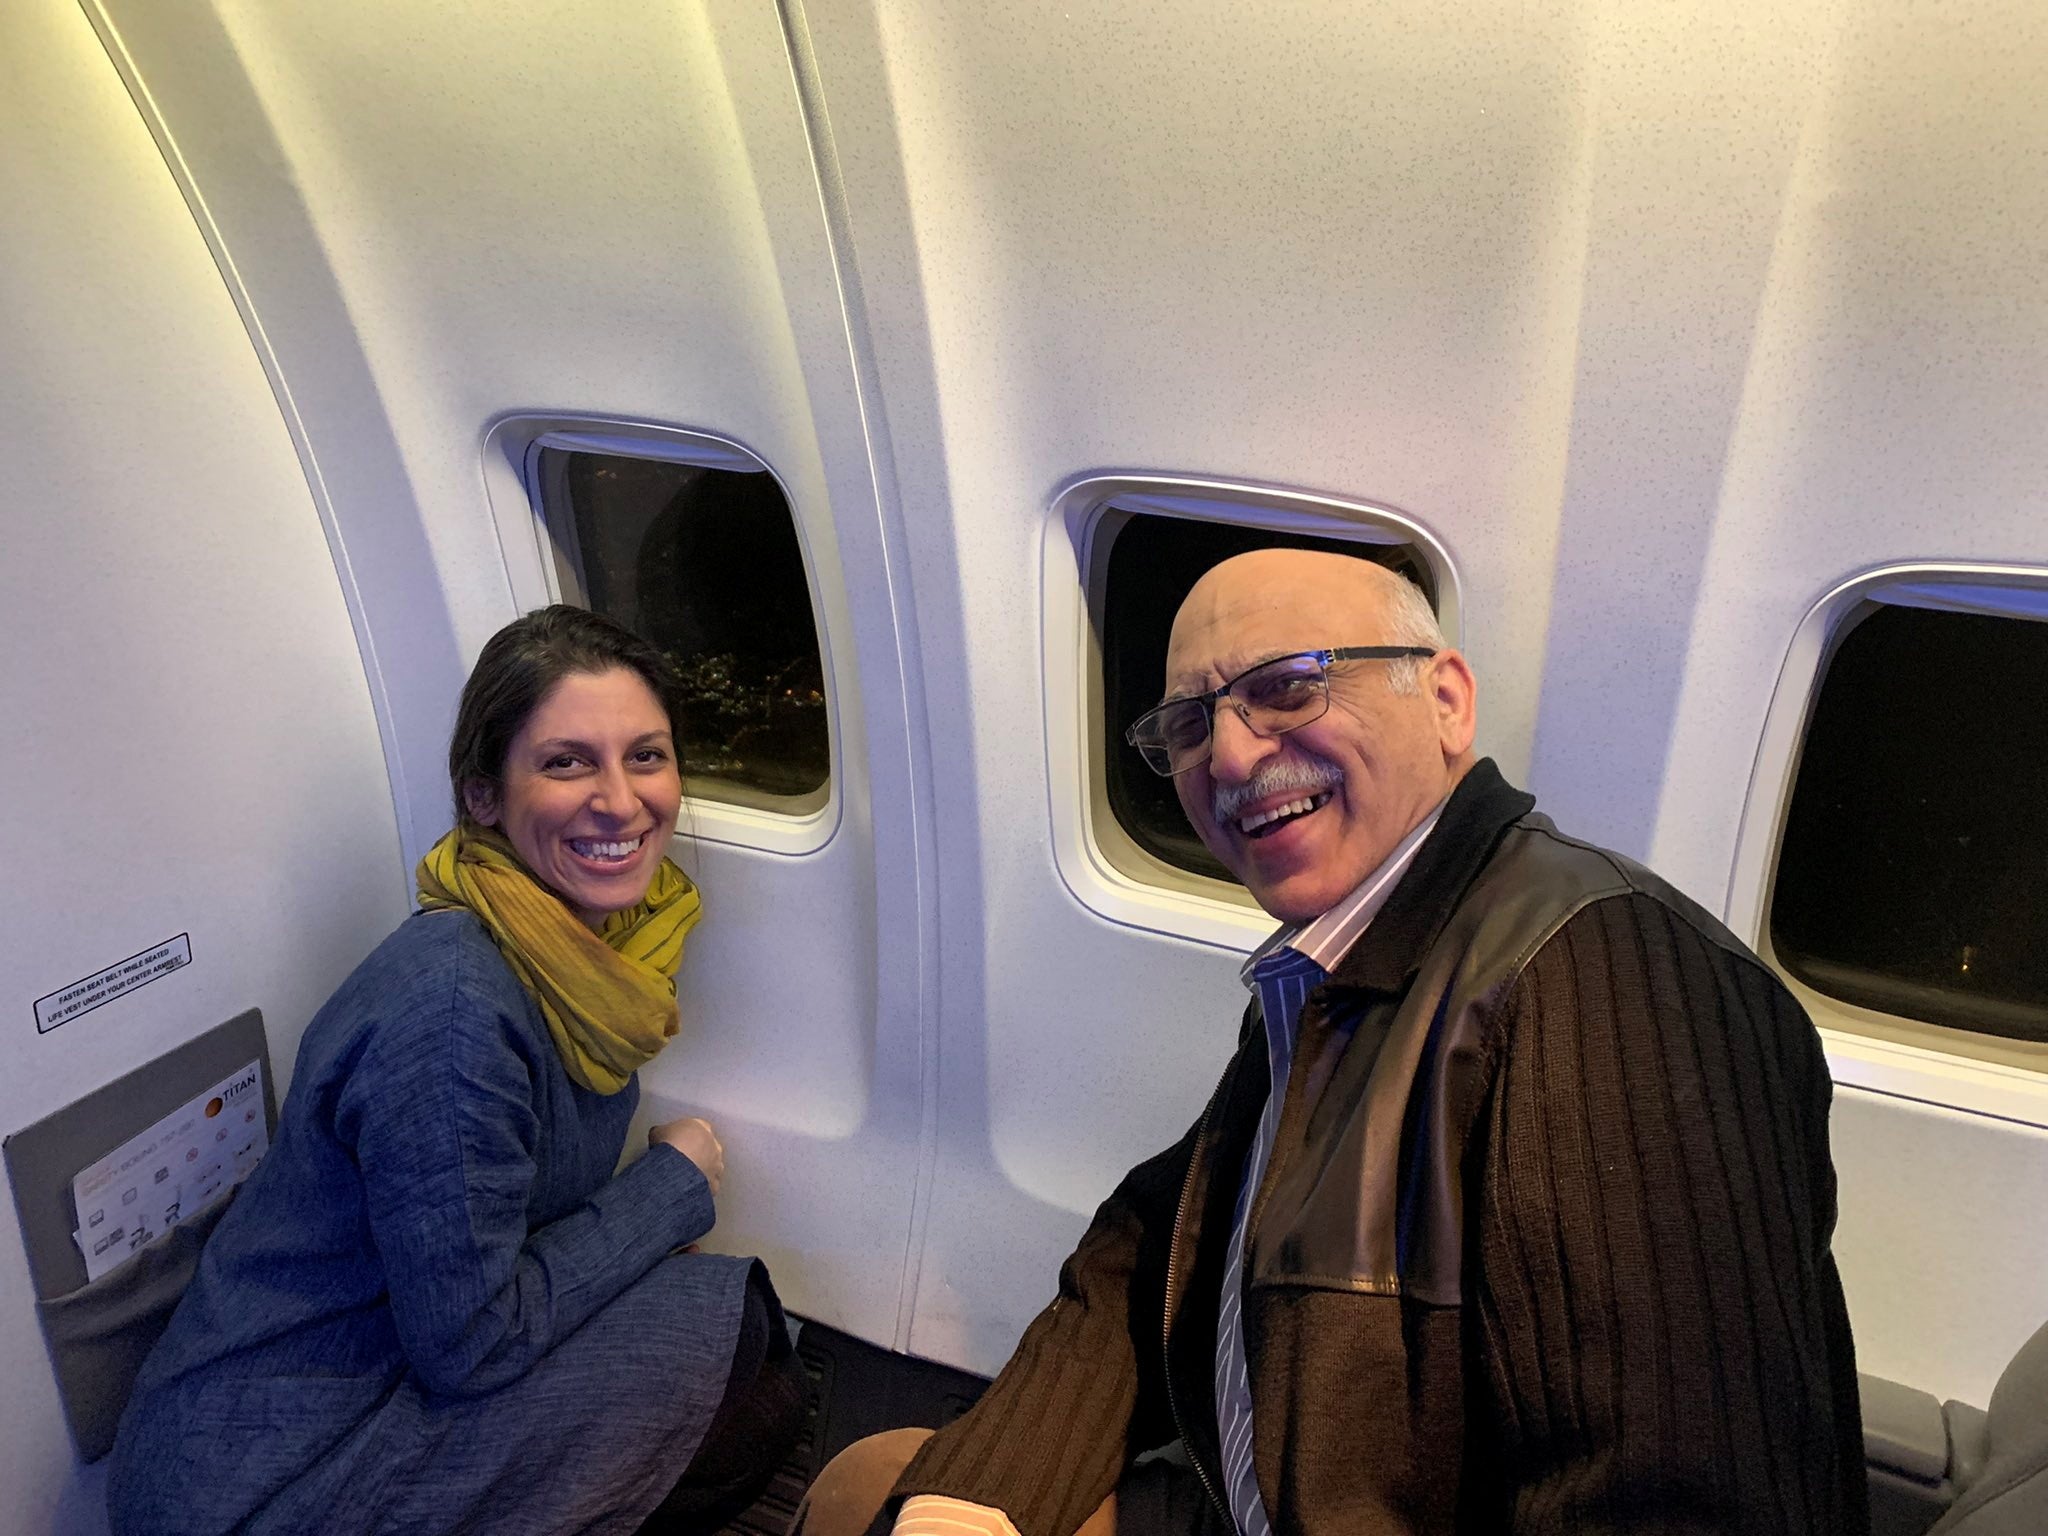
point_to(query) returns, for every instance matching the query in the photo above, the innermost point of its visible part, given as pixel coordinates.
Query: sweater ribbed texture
(1661, 1323)
(1083, 1392)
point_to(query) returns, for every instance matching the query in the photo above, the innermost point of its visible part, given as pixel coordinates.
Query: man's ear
(480, 799)
(1454, 692)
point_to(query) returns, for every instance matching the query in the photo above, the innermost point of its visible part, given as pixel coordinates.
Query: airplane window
(1911, 873)
(1153, 563)
(706, 564)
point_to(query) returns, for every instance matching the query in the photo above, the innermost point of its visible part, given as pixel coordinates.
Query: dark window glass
(1914, 872)
(1153, 563)
(706, 564)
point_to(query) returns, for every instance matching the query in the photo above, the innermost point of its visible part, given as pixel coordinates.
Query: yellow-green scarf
(609, 998)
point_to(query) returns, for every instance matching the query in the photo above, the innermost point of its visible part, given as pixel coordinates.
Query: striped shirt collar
(1327, 939)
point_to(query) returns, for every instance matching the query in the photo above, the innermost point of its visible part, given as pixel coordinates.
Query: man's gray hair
(1409, 621)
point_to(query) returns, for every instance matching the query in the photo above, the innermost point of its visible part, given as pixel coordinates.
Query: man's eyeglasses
(1272, 698)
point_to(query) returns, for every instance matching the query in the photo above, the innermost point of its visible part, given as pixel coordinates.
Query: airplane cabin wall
(195, 750)
(1663, 323)
(1889, 413)
(443, 218)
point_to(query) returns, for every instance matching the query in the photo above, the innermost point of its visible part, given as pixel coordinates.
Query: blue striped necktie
(1284, 980)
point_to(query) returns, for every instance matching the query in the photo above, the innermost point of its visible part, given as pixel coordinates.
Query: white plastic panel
(1626, 306)
(1944, 1299)
(1888, 413)
(445, 217)
(193, 745)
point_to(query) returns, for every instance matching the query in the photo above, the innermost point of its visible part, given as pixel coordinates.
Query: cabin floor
(860, 1390)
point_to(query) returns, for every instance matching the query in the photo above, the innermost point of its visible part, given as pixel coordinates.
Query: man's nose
(1235, 749)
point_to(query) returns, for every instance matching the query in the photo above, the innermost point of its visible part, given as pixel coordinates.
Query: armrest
(1903, 1430)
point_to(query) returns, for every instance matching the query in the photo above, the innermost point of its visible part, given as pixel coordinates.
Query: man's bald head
(1312, 580)
(1348, 786)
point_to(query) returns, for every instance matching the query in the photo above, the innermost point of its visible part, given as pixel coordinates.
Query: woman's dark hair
(521, 663)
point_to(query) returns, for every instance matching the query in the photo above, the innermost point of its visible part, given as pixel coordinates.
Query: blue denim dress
(433, 1307)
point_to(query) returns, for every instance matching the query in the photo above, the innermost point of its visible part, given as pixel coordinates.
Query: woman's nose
(612, 793)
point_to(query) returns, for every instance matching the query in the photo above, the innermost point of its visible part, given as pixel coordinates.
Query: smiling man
(1303, 770)
(1512, 1210)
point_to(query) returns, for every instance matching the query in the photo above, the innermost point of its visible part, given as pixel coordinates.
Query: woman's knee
(850, 1492)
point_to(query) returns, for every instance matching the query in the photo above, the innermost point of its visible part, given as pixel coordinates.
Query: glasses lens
(1173, 737)
(1283, 694)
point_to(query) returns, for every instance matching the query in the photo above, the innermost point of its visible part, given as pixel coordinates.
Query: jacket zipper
(1180, 1215)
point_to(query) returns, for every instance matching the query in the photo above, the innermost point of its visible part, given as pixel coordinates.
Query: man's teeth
(1299, 807)
(595, 850)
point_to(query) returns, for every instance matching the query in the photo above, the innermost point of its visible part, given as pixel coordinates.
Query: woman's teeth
(1251, 824)
(589, 849)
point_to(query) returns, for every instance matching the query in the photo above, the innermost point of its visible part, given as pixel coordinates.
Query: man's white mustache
(1292, 775)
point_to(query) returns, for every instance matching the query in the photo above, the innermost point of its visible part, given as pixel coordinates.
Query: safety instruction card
(176, 1168)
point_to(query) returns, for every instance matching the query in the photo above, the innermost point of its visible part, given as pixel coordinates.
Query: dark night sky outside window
(1153, 563)
(706, 564)
(1913, 878)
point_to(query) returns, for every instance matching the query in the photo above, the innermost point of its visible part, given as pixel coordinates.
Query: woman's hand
(695, 1139)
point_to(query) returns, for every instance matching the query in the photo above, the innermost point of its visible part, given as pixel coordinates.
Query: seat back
(2008, 1496)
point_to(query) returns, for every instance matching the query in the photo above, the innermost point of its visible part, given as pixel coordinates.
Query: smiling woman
(589, 792)
(435, 1306)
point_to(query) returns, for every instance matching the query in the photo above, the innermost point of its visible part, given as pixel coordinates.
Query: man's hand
(695, 1139)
